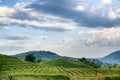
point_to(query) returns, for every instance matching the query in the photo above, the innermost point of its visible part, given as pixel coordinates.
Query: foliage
(39, 55)
(38, 61)
(89, 63)
(30, 58)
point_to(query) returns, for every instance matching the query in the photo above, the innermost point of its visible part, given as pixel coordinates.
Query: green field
(14, 69)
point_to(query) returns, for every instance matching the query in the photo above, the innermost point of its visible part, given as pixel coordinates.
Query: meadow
(14, 69)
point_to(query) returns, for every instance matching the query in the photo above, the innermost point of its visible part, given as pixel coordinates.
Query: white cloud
(44, 37)
(26, 17)
(67, 42)
(5, 28)
(106, 2)
(106, 37)
(5, 11)
(35, 24)
(17, 46)
(81, 32)
(80, 8)
(112, 14)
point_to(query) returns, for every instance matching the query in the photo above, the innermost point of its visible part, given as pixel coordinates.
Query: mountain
(113, 58)
(43, 55)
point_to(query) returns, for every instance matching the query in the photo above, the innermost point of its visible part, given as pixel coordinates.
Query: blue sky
(77, 28)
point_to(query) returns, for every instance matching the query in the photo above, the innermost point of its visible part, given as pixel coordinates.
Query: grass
(64, 63)
(13, 69)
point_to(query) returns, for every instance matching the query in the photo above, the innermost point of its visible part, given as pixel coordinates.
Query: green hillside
(13, 61)
(65, 63)
(8, 62)
(14, 69)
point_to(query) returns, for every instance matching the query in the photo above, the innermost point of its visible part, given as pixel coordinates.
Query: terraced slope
(8, 62)
(14, 69)
(65, 63)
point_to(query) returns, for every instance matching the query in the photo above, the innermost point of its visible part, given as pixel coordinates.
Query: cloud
(112, 14)
(44, 37)
(17, 37)
(81, 32)
(12, 47)
(67, 42)
(80, 8)
(107, 2)
(26, 17)
(60, 15)
(83, 16)
(5, 28)
(105, 37)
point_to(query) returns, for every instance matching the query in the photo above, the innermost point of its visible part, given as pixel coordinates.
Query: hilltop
(44, 55)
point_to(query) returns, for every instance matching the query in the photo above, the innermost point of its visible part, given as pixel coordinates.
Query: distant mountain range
(113, 58)
(43, 55)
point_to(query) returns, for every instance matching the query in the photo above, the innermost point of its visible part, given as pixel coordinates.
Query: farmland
(15, 69)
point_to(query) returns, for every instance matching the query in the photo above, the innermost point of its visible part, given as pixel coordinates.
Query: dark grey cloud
(17, 37)
(64, 8)
(21, 16)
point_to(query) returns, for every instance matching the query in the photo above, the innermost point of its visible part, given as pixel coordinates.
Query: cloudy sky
(77, 28)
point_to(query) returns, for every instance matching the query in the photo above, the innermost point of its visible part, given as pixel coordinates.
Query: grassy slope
(7, 60)
(20, 70)
(65, 63)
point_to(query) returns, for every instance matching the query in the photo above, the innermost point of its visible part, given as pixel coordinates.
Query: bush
(30, 58)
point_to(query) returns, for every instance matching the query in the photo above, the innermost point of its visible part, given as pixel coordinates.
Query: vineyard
(14, 69)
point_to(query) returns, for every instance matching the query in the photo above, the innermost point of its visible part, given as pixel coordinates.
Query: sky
(76, 28)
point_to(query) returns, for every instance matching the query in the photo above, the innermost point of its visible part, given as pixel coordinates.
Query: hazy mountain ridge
(44, 55)
(113, 58)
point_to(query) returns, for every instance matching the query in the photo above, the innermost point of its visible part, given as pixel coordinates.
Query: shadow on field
(26, 77)
(52, 77)
(112, 78)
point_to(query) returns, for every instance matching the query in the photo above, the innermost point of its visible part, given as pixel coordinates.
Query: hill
(44, 55)
(63, 63)
(113, 58)
(66, 63)
(8, 62)
(59, 69)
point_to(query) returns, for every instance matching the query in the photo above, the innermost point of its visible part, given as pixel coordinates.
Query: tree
(30, 58)
(89, 63)
(84, 60)
(0, 66)
(39, 60)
